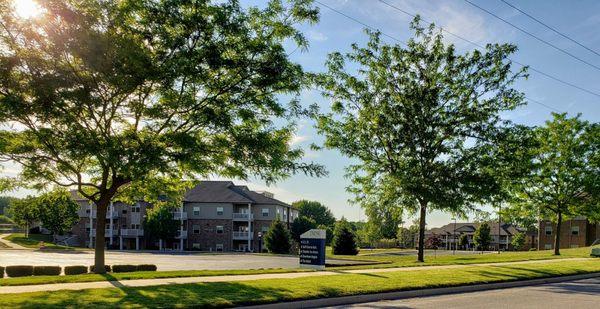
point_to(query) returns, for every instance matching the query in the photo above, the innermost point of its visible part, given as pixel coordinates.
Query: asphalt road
(164, 261)
(580, 294)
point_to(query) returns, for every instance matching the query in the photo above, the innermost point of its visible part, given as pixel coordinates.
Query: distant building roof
(227, 192)
(469, 228)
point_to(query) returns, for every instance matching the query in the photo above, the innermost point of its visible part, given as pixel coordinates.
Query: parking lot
(164, 261)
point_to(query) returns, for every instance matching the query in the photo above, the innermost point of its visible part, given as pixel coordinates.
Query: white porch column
(91, 225)
(181, 228)
(121, 243)
(160, 245)
(110, 230)
(137, 243)
(249, 227)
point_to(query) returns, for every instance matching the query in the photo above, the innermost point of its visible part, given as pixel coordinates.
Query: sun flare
(27, 8)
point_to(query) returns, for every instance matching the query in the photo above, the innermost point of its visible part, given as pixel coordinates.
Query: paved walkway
(151, 282)
(9, 243)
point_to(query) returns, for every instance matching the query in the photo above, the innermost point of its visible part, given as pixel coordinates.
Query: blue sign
(312, 249)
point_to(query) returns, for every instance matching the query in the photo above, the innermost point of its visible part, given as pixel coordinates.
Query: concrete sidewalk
(234, 278)
(9, 243)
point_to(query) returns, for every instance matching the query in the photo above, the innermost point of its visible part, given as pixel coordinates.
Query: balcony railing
(132, 232)
(181, 234)
(239, 216)
(242, 235)
(180, 215)
(115, 214)
(106, 233)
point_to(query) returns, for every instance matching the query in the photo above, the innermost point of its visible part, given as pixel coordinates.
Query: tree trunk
(101, 208)
(421, 249)
(557, 235)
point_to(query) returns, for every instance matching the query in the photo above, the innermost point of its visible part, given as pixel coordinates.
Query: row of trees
(424, 125)
(55, 210)
(107, 95)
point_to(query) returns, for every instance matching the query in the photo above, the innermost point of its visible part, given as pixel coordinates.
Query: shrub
(123, 268)
(146, 267)
(46, 270)
(344, 240)
(386, 243)
(19, 271)
(278, 239)
(76, 270)
(106, 267)
(1, 272)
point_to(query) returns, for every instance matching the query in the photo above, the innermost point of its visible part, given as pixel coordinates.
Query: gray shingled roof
(505, 228)
(227, 192)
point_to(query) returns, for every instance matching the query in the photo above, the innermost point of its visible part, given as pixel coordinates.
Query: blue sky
(578, 19)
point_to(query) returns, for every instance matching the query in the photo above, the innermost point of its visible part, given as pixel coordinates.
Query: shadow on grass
(210, 295)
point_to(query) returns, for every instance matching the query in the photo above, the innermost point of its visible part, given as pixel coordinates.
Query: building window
(87, 211)
(265, 212)
(196, 229)
(219, 247)
(219, 211)
(196, 211)
(548, 246)
(219, 229)
(124, 211)
(196, 245)
(124, 226)
(575, 230)
(548, 230)
(265, 228)
(135, 226)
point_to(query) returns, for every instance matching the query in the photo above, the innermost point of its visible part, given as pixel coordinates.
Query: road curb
(365, 298)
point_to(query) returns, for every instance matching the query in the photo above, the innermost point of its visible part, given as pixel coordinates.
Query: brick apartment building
(578, 232)
(215, 216)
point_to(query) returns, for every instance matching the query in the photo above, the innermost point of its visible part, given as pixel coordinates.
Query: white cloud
(317, 36)
(297, 139)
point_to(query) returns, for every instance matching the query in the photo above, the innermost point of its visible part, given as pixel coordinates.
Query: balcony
(242, 235)
(180, 215)
(115, 214)
(106, 233)
(239, 216)
(181, 234)
(132, 232)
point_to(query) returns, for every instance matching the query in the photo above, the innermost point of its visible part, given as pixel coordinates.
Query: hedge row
(28, 270)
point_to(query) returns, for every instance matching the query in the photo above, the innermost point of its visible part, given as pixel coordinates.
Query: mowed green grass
(390, 260)
(33, 241)
(140, 275)
(226, 294)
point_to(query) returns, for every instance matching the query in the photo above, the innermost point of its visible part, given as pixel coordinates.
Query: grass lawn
(140, 275)
(3, 246)
(5, 220)
(225, 294)
(387, 256)
(33, 241)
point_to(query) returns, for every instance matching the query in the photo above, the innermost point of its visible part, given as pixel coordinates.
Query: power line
(534, 36)
(398, 40)
(515, 61)
(551, 28)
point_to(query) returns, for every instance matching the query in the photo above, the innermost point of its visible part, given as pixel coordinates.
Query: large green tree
(160, 223)
(99, 95)
(344, 239)
(482, 237)
(278, 238)
(24, 212)
(419, 120)
(57, 211)
(564, 173)
(300, 225)
(315, 211)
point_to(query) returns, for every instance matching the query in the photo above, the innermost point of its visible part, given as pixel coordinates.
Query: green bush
(344, 240)
(46, 270)
(278, 239)
(106, 267)
(76, 270)
(19, 271)
(386, 243)
(124, 268)
(146, 267)
(1, 272)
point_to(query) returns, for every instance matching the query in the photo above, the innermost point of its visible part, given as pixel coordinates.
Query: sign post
(312, 249)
